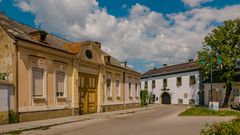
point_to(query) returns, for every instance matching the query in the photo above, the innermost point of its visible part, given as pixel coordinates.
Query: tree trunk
(228, 92)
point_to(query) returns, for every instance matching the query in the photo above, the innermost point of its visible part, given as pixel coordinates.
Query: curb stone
(20, 127)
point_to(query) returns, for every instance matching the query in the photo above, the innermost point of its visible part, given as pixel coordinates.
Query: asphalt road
(160, 121)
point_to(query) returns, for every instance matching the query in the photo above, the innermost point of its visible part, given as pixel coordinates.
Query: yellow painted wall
(26, 103)
(6, 54)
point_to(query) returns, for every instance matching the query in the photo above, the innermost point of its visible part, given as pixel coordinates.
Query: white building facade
(177, 84)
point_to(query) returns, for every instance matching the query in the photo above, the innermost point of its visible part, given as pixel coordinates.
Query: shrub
(224, 128)
(13, 117)
(144, 97)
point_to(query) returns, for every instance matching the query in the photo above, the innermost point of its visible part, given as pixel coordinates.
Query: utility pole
(211, 77)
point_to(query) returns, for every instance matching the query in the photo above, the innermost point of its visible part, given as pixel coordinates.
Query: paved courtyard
(162, 120)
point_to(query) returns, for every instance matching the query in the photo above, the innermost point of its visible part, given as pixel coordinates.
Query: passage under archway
(166, 99)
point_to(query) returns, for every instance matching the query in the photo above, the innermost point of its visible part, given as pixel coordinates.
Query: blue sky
(146, 33)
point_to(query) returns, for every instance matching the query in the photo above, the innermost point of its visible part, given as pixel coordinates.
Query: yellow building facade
(53, 77)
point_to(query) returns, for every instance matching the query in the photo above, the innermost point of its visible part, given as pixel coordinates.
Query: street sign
(214, 106)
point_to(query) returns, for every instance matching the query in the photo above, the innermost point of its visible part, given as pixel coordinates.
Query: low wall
(219, 91)
(108, 108)
(42, 115)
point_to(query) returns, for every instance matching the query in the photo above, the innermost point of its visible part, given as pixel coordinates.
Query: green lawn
(223, 128)
(203, 111)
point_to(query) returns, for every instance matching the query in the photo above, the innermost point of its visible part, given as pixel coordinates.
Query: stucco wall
(50, 61)
(124, 92)
(176, 92)
(134, 79)
(6, 54)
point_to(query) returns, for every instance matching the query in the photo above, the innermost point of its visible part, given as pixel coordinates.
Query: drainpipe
(73, 88)
(124, 104)
(16, 86)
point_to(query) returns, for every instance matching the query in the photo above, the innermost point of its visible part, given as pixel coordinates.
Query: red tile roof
(184, 67)
(18, 30)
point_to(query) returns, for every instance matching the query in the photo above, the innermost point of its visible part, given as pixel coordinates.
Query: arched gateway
(166, 99)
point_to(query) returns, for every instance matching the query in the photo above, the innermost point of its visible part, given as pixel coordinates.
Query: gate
(166, 99)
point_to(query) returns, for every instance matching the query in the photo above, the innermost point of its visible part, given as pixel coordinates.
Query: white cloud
(195, 3)
(144, 34)
(26, 7)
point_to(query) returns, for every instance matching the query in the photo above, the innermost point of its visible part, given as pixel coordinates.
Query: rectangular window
(153, 84)
(37, 81)
(180, 101)
(130, 89)
(82, 82)
(179, 81)
(164, 83)
(191, 101)
(118, 88)
(192, 80)
(136, 90)
(146, 85)
(92, 83)
(60, 83)
(109, 92)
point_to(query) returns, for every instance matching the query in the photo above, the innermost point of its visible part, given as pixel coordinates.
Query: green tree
(144, 97)
(223, 45)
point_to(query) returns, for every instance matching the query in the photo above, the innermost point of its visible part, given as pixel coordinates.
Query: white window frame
(130, 89)
(118, 94)
(38, 62)
(65, 85)
(195, 80)
(60, 67)
(153, 86)
(179, 77)
(109, 89)
(136, 90)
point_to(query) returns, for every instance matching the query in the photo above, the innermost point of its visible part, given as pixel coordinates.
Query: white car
(235, 104)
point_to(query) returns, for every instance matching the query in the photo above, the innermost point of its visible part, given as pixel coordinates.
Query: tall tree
(222, 45)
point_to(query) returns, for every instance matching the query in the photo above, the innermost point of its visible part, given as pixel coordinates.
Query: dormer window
(43, 35)
(39, 35)
(88, 54)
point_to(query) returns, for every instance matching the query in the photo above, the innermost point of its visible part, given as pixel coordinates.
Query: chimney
(125, 63)
(39, 35)
(98, 44)
(164, 65)
(190, 60)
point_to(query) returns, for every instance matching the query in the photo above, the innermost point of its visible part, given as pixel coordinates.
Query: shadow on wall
(194, 92)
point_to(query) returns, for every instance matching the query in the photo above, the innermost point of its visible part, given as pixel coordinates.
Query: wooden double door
(87, 93)
(166, 98)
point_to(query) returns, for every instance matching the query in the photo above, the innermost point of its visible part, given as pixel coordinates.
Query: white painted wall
(6, 97)
(176, 92)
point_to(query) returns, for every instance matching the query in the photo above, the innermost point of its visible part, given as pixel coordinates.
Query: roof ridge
(171, 68)
(32, 27)
(175, 65)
